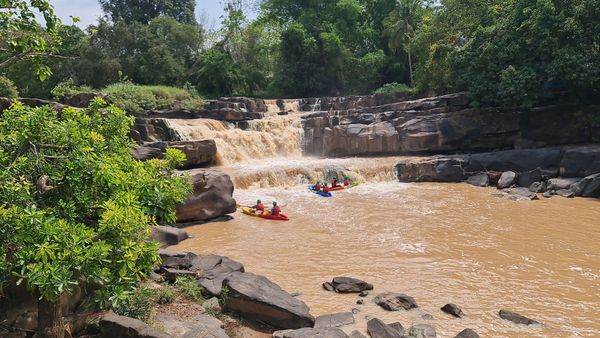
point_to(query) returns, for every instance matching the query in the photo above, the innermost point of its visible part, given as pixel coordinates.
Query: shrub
(393, 88)
(137, 98)
(68, 88)
(76, 205)
(165, 295)
(8, 88)
(139, 304)
(188, 287)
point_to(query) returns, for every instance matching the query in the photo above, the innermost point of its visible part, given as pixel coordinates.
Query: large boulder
(257, 299)
(467, 333)
(212, 276)
(395, 301)
(197, 153)
(507, 179)
(561, 183)
(522, 160)
(453, 309)
(200, 326)
(580, 161)
(479, 180)
(168, 236)
(378, 329)
(113, 325)
(436, 169)
(527, 178)
(212, 197)
(587, 187)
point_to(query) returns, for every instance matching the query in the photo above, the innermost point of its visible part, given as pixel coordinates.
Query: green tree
(23, 38)
(76, 207)
(144, 11)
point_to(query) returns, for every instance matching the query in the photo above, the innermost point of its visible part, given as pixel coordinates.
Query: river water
(439, 243)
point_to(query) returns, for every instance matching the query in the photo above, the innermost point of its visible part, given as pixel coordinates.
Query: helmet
(274, 203)
(258, 201)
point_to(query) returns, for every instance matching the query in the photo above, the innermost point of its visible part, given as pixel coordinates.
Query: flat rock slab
(467, 333)
(516, 318)
(480, 180)
(113, 326)
(335, 320)
(213, 270)
(168, 236)
(357, 334)
(258, 299)
(395, 301)
(520, 194)
(324, 332)
(378, 329)
(201, 326)
(349, 285)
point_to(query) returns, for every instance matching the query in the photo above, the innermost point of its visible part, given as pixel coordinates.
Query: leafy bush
(165, 295)
(8, 88)
(139, 304)
(393, 88)
(137, 98)
(68, 88)
(76, 205)
(188, 287)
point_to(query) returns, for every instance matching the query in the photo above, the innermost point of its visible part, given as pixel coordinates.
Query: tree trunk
(50, 319)
(410, 69)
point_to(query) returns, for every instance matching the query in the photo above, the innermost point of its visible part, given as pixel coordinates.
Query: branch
(20, 57)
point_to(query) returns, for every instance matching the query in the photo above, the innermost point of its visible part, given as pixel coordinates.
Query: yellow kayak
(249, 211)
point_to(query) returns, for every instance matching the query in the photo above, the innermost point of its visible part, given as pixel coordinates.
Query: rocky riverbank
(521, 174)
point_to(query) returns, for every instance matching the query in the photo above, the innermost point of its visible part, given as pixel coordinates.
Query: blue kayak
(320, 193)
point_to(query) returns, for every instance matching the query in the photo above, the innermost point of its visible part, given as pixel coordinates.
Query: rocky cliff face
(441, 124)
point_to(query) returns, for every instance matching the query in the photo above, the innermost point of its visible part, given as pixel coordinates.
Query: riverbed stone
(322, 332)
(507, 179)
(395, 301)
(357, 334)
(350, 285)
(113, 325)
(580, 161)
(516, 318)
(363, 293)
(335, 320)
(453, 309)
(378, 329)
(256, 298)
(565, 193)
(467, 333)
(521, 194)
(200, 326)
(538, 187)
(397, 326)
(562, 183)
(527, 178)
(213, 270)
(422, 331)
(479, 180)
(588, 186)
(168, 236)
(176, 259)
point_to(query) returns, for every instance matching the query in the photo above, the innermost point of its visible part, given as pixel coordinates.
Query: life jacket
(334, 183)
(346, 183)
(275, 211)
(260, 207)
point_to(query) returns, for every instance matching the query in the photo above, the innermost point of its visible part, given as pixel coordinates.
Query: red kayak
(281, 217)
(340, 187)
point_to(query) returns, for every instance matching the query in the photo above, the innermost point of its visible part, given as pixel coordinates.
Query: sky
(208, 12)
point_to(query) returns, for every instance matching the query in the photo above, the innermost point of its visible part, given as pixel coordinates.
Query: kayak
(320, 193)
(342, 187)
(280, 217)
(251, 212)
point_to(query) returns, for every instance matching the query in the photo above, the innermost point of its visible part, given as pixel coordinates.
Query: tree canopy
(144, 11)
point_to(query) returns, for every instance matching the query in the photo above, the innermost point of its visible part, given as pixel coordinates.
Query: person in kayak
(259, 206)
(275, 211)
(346, 181)
(334, 182)
(325, 188)
(318, 186)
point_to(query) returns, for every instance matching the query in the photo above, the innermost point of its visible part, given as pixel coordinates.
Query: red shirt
(260, 207)
(275, 211)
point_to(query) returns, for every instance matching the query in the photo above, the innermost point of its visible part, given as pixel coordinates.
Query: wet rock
(113, 325)
(548, 194)
(526, 179)
(422, 331)
(467, 333)
(357, 334)
(521, 194)
(256, 298)
(516, 318)
(507, 179)
(213, 270)
(295, 294)
(561, 183)
(212, 197)
(587, 187)
(395, 301)
(168, 236)
(427, 316)
(327, 286)
(565, 193)
(350, 285)
(436, 169)
(360, 302)
(453, 309)
(201, 326)
(480, 180)
(378, 329)
(355, 311)
(335, 320)
(323, 332)
(364, 293)
(538, 187)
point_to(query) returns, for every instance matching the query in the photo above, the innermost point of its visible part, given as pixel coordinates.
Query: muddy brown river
(439, 243)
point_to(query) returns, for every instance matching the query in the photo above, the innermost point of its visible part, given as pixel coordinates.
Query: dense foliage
(504, 52)
(75, 206)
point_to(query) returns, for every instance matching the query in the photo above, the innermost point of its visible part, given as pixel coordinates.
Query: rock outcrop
(347, 285)
(211, 197)
(335, 320)
(395, 301)
(453, 309)
(258, 299)
(198, 153)
(113, 325)
(516, 318)
(378, 329)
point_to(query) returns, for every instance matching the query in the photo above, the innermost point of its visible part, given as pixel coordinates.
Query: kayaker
(318, 186)
(334, 182)
(259, 206)
(275, 211)
(346, 181)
